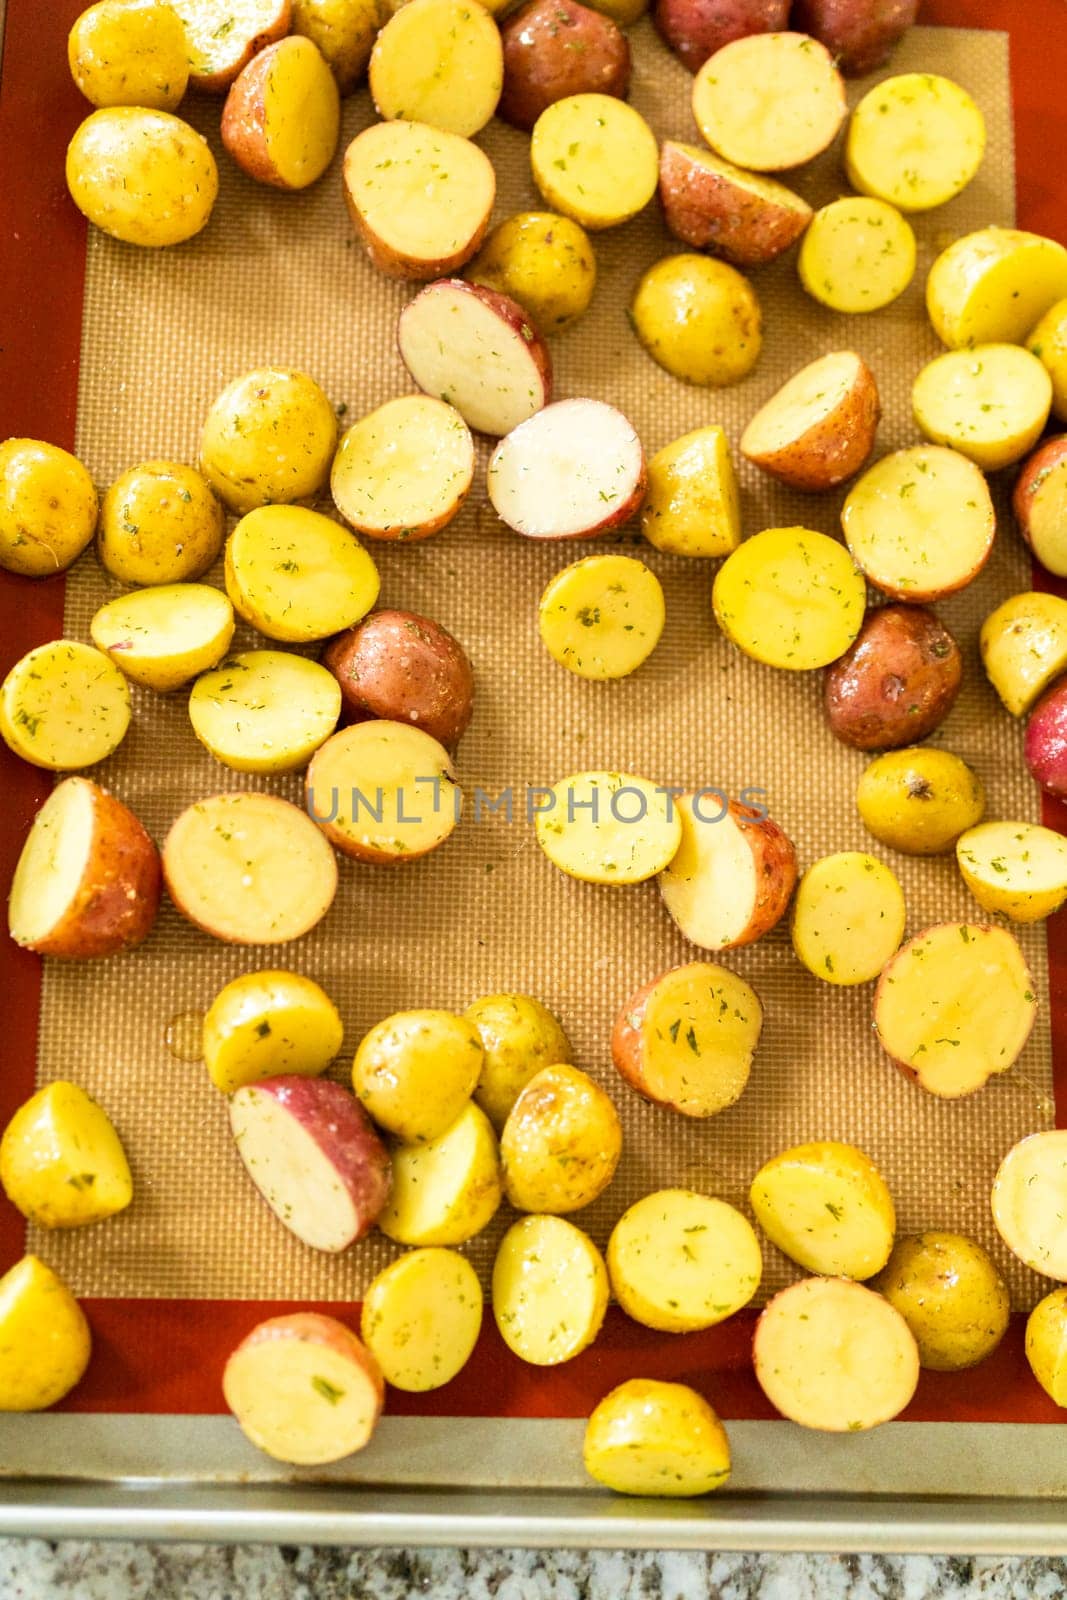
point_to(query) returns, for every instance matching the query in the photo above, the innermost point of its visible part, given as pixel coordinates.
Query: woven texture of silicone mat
(279, 278)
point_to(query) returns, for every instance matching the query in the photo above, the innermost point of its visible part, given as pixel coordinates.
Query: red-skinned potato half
(282, 116)
(733, 874)
(860, 33)
(695, 29)
(304, 1389)
(1040, 504)
(555, 48)
(712, 205)
(314, 1155)
(819, 428)
(88, 880)
(399, 665)
(896, 683)
(1046, 740)
(573, 471)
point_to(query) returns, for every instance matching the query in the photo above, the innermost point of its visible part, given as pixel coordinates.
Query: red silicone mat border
(166, 1356)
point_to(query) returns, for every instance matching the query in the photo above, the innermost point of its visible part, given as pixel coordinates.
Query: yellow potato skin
(699, 319)
(519, 1036)
(415, 1072)
(542, 260)
(145, 177)
(61, 1162)
(652, 1438)
(48, 507)
(1048, 342)
(951, 1296)
(1046, 1344)
(268, 438)
(129, 53)
(344, 31)
(919, 800)
(459, 1172)
(44, 1337)
(265, 1023)
(159, 523)
(693, 504)
(561, 1143)
(1024, 646)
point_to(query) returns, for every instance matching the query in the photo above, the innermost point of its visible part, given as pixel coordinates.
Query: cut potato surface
(693, 505)
(222, 35)
(955, 1007)
(680, 1261)
(848, 917)
(827, 1207)
(421, 1318)
(282, 116)
(265, 710)
(1024, 647)
(1030, 1202)
(660, 1439)
(687, 1039)
(438, 62)
(1018, 869)
(790, 597)
(574, 470)
(1040, 504)
(445, 1191)
(1048, 341)
(403, 471)
(602, 617)
(608, 827)
(916, 140)
(296, 575)
(819, 428)
(269, 1023)
(857, 255)
(249, 868)
(304, 1389)
(1046, 1344)
(383, 791)
(64, 705)
(44, 1336)
(163, 636)
(769, 101)
(550, 1290)
(561, 1143)
(730, 879)
(990, 403)
(835, 1356)
(897, 518)
(595, 159)
(61, 1162)
(420, 199)
(712, 205)
(992, 286)
(476, 350)
(415, 1071)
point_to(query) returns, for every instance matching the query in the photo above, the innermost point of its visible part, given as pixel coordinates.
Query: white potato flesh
(803, 403)
(265, 710)
(550, 1290)
(292, 1171)
(895, 517)
(575, 469)
(403, 471)
(609, 827)
(221, 35)
(710, 887)
(55, 859)
(1030, 1202)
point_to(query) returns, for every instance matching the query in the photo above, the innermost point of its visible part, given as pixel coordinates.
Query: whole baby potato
(344, 31)
(129, 53)
(554, 48)
(859, 33)
(405, 668)
(519, 1036)
(143, 176)
(951, 1296)
(48, 507)
(920, 800)
(268, 439)
(159, 523)
(699, 319)
(543, 261)
(416, 1071)
(561, 1143)
(896, 683)
(695, 29)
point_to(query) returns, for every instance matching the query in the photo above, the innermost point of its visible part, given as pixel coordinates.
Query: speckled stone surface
(34, 1570)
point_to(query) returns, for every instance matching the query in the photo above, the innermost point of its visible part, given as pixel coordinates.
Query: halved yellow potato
(267, 1023)
(857, 255)
(652, 1438)
(848, 917)
(221, 36)
(415, 1072)
(439, 62)
(1048, 341)
(297, 575)
(64, 705)
(1024, 647)
(951, 1296)
(769, 101)
(601, 617)
(265, 710)
(421, 1318)
(268, 438)
(1046, 1344)
(561, 1143)
(550, 1290)
(404, 470)
(608, 827)
(61, 1162)
(48, 507)
(915, 140)
(384, 791)
(790, 597)
(595, 159)
(1018, 869)
(44, 1337)
(693, 505)
(989, 402)
(282, 116)
(680, 1261)
(1030, 1202)
(990, 287)
(163, 636)
(895, 516)
(835, 1356)
(827, 1207)
(447, 1190)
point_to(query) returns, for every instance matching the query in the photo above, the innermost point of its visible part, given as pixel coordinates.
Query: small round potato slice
(519, 1036)
(857, 255)
(652, 1438)
(415, 1072)
(64, 705)
(602, 617)
(989, 402)
(769, 101)
(835, 1356)
(915, 140)
(1018, 869)
(680, 1261)
(268, 438)
(561, 1143)
(162, 637)
(404, 470)
(421, 1318)
(595, 159)
(383, 791)
(447, 1190)
(1030, 1202)
(848, 917)
(608, 827)
(550, 1290)
(951, 1296)
(790, 597)
(827, 1207)
(1046, 1344)
(265, 1024)
(440, 62)
(48, 507)
(265, 710)
(297, 575)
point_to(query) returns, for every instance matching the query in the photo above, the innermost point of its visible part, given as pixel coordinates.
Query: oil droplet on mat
(184, 1035)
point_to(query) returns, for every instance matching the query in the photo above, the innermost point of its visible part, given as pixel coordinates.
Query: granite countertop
(35, 1570)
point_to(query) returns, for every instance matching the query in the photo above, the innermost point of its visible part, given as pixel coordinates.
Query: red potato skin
(312, 1327)
(776, 870)
(627, 1041)
(219, 82)
(404, 667)
(1046, 740)
(695, 29)
(835, 448)
(706, 210)
(860, 33)
(511, 315)
(244, 119)
(896, 683)
(1048, 458)
(555, 48)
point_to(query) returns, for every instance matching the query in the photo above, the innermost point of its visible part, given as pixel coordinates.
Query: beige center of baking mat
(279, 278)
